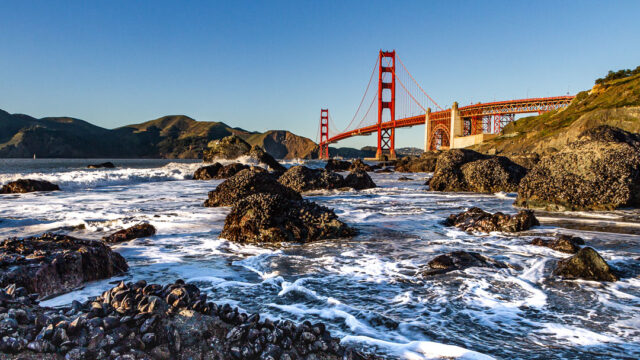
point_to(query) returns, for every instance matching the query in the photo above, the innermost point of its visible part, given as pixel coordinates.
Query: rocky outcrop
(425, 163)
(478, 220)
(153, 321)
(337, 165)
(53, 264)
(599, 171)
(301, 178)
(227, 148)
(527, 161)
(460, 260)
(587, 264)
(248, 182)
(208, 172)
(261, 156)
(105, 165)
(134, 232)
(218, 171)
(28, 185)
(271, 218)
(285, 145)
(467, 170)
(563, 243)
(358, 164)
(359, 180)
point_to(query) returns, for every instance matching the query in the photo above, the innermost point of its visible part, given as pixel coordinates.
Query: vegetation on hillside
(615, 75)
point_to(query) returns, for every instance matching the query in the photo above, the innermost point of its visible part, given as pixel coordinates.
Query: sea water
(367, 289)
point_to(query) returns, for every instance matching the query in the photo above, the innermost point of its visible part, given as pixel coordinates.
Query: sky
(264, 65)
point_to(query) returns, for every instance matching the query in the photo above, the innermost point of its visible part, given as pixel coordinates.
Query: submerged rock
(28, 185)
(337, 165)
(424, 163)
(272, 218)
(563, 243)
(460, 260)
(301, 178)
(137, 231)
(248, 182)
(53, 264)
(468, 170)
(599, 171)
(585, 264)
(359, 180)
(106, 165)
(478, 220)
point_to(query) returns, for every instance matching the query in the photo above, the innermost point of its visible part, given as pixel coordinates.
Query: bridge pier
(427, 146)
(457, 124)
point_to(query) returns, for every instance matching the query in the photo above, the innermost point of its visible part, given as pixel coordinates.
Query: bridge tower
(386, 137)
(324, 134)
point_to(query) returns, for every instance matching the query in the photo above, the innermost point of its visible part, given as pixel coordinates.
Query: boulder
(586, 264)
(468, 170)
(359, 164)
(478, 220)
(337, 165)
(245, 183)
(228, 171)
(28, 185)
(106, 165)
(207, 172)
(424, 163)
(599, 171)
(460, 260)
(404, 178)
(359, 180)
(53, 264)
(272, 218)
(137, 231)
(563, 243)
(227, 148)
(527, 161)
(301, 178)
(260, 155)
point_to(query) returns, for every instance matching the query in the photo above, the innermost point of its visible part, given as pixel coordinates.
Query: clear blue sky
(273, 64)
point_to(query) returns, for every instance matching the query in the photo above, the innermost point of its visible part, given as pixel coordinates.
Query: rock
(359, 164)
(599, 171)
(245, 183)
(227, 148)
(384, 171)
(27, 185)
(263, 157)
(301, 178)
(460, 260)
(478, 220)
(228, 171)
(563, 243)
(137, 231)
(272, 218)
(467, 170)
(106, 165)
(527, 161)
(53, 264)
(404, 178)
(207, 172)
(585, 264)
(337, 165)
(425, 163)
(359, 180)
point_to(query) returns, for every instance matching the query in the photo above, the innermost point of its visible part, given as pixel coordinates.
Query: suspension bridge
(402, 102)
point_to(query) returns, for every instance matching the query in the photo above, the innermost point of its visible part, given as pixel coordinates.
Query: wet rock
(563, 243)
(137, 231)
(245, 183)
(425, 163)
(385, 170)
(467, 170)
(478, 220)
(227, 148)
(269, 218)
(207, 172)
(301, 178)
(263, 157)
(585, 264)
(359, 180)
(337, 165)
(228, 171)
(404, 178)
(460, 260)
(358, 164)
(599, 171)
(105, 165)
(27, 185)
(53, 264)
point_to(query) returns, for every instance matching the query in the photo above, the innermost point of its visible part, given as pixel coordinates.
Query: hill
(175, 136)
(614, 102)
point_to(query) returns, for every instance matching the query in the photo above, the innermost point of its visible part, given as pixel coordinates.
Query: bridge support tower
(427, 146)
(457, 124)
(324, 134)
(386, 85)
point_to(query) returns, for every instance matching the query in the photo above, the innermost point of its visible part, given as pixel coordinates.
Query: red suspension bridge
(402, 102)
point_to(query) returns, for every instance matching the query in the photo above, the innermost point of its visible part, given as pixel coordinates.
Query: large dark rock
(207, 172)
(271, 218)
(301, 178)
(227, 148)
(460, 260)
(586, 264)
(230, 170)
(599, 171)
(478, 220)
(358, 164)
(248, 182)
(28, 185)
(53, 264)
(137, 231)
(337, 165)
(468, 170)
(106, 165)
(218, 171)
(359, 180)
(527, 161)
(262, 156)
(425, 163)
(563, 243)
